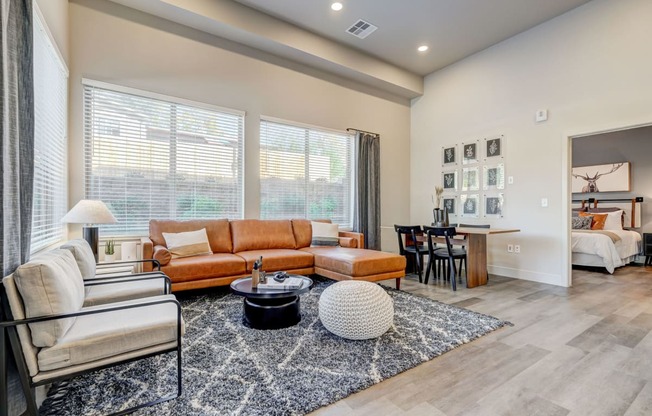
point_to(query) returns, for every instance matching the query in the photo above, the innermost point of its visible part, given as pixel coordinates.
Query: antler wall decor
(600, 172)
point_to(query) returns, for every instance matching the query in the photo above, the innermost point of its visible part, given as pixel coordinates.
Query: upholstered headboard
(631, 208)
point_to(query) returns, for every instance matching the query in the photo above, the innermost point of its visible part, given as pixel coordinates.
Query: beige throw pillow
(325, 234)
(187, 244)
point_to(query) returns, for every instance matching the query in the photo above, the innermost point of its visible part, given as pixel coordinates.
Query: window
(149, 156)
(305, 172)
(50, 198)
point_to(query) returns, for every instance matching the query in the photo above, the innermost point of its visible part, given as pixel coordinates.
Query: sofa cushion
(50, 284)
(187, 243)
(218, 231)
(262, 235)
(83, 254)
(162, 254)
(302, 230)
(324, 234)
(97, 336)
(356, 262)
(203, 267)
(277, 259)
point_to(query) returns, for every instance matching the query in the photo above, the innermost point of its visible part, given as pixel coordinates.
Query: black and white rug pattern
(229, 369)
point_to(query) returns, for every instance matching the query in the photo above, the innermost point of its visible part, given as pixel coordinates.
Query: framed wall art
(470, 153)
(493, 205)
(469, 205)
(449, 202)
(449, 180)
(614, 177)
(493, 177)
(449, 156)
(470, 179)
(493, 148)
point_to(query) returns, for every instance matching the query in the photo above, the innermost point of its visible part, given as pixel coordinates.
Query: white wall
(112, 43)
(55, 13)
(590, 68)
(631, 145)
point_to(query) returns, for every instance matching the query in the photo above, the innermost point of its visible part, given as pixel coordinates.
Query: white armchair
(55, 335)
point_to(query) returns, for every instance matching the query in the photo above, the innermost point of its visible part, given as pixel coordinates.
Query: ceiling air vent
(361, 29)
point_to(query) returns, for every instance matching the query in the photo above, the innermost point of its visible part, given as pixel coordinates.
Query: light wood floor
(585, 350)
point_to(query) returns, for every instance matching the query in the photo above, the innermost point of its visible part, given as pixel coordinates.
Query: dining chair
(411, 247)
(447, 254)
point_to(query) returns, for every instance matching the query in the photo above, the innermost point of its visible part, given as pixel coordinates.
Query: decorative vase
(438, 213)
(109, 258)
(446, 222)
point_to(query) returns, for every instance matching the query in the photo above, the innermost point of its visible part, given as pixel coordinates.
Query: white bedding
(612, 254)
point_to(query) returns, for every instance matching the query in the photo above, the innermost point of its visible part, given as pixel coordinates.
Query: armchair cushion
(117, 292)
(98, 336)
(50, 284)
(83, 255)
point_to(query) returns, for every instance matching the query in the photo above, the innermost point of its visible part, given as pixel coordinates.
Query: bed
(611, 247)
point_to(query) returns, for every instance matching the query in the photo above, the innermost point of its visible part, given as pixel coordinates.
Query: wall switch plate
(544, 202)
(510, 180)
(510, 248)
(541, 115)
(517, 248)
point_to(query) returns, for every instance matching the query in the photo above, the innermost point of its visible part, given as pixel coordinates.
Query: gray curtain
(367, 213)
(16, 149)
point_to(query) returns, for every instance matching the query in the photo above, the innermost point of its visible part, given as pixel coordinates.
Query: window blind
(50, 199)
(305, 172)
(156, 158)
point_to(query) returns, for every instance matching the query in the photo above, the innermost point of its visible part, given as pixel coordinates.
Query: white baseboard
(551, 279)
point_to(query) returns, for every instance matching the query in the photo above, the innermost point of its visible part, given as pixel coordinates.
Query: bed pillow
(614, 221)
(582, 223)
(598, 219)
(190, 243)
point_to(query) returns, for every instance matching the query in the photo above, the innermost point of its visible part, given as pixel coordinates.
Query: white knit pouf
(356, 310)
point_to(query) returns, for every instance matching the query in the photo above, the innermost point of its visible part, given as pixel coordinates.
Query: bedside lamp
(89, 212)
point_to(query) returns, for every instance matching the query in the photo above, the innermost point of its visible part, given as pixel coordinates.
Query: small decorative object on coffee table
(272, 308)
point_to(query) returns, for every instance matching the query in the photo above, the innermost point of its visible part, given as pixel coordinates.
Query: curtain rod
(363, 131)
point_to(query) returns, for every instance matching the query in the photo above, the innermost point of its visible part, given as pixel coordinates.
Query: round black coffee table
(270, 308)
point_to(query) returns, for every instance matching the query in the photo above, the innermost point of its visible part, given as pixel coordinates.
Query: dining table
(476, 251)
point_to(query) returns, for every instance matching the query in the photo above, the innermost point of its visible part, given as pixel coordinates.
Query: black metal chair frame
(9, 325)
(450, 256)
(404, 250)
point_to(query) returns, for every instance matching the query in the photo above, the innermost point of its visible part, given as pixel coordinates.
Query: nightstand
(647, 248)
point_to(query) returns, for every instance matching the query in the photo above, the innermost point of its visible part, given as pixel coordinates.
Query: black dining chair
(411, 247)
(448, 254)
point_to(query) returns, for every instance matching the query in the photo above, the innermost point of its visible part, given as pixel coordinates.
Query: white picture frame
(493, 177)
(494, 205)
(469, 205)
(450, 202)
(470, 179)
(449, 156)
(449, 180)
(494, 148)
(470, 152)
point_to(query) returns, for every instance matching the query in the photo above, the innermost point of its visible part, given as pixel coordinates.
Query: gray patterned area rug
(229, 369)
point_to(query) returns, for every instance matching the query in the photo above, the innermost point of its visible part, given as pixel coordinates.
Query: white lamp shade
(88, 211)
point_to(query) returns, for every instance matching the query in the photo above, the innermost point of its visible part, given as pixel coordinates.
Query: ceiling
(386, 63)
(453, 29)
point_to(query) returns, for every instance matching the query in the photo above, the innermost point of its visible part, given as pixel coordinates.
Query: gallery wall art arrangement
(473, 178)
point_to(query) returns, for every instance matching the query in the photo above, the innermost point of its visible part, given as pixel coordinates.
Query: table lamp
(90, 212)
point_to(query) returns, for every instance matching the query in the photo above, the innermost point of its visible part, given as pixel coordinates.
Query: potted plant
(109, 251)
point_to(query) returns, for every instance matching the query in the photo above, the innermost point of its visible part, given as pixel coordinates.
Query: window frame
(317, 129)
(87, 82)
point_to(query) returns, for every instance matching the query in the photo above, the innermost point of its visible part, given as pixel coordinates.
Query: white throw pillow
(325, 234)
(614, 221)
(83, 254)
(50, 284)
(187, 244)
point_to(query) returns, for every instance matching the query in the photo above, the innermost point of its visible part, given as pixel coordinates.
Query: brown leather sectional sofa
(283, 244)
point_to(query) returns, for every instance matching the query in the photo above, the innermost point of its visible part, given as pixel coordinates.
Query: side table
(647, 248)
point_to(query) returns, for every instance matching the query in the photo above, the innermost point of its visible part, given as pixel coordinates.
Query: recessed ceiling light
(337, 6)
(422, 48)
